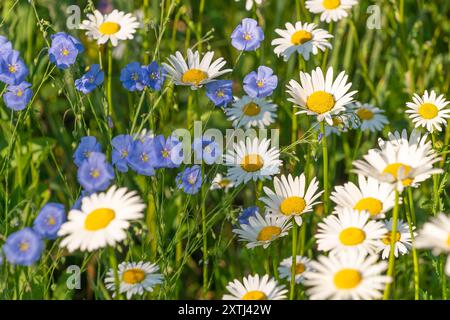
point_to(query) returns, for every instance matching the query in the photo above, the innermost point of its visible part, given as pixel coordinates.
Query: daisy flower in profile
(261, 231)
(402, 240)
(135, 278)
(251, 112)
(195, 73)
(221, 182)
(292, 197)
(252, 160)
(400, 161)
(346, 276)
(102, 220)
(349, 230)
(302, 38)
(302, 264)
(429, 111)
(255, 288)
(113, 27)
(371, 117)
(249, 3)
(375, 197)
(319, 95)
(330, 10)
(247, 36)
(435, 234)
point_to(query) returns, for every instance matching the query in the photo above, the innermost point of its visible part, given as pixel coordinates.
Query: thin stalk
(409, 218)
(444, 278)
(325, 54)
(294, 259)
(390, 272)
(109, 81)
(205, 235)
(113, 262)
(326, 194)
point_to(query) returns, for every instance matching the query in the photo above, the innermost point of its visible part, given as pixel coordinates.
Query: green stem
(109, 82)
(391, 265)
(205, 239)
(409, 217)
(325, 169)
(294, 259)
(435, 182)
(444, 278)
(114, 266)
(325, 54)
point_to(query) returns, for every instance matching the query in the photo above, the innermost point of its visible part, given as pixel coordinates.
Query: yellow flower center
(336, 121)
(292, 205)
(352, 236)
(301, 37)
(387, 238)
(194, 76)
(252, 162)
(95, 173)
(12, 68)
(24, 246)
(144, 157)
(165, 153)
(268, 233)
(260, 83)
(220, 94)
(133, 276)
(109, 28)
(428, 111)
(331, 4)
(394, 168)
(364, 114)
(51, 221)
(251, 109)
(65, 52)
(372, 205)
(254, 295)
(347, 278)
(299, 268)
(224, 182)
(448, 240)
(320, 102)
(247, 36)
(19, 93)
(99, 219)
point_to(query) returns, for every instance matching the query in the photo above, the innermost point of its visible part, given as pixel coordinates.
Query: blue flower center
(247, 36)
(124, 153)
(12, 68)
(19, 93)
(220, 93)
(24, 246)
(51, 221)
(134, 76)
(144, 157)
(95, 173)
(260, 83)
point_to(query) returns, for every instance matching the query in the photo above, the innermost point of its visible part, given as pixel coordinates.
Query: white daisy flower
(403, 242)
(319, 95)
(252, 160)
(350, 230)
(370, 195)
(251, 112)
(302, 264)
(102, 220)
(135, 278)
(249, 3)
(292, 197)
(261, 231)
(255, 288)
(371, 117)
(195, 72)
(113, 27)
(302, 38)
(221, 182)
(330, 10)
(435, 234)
(400, 161)
(429, 111)
(346, 276)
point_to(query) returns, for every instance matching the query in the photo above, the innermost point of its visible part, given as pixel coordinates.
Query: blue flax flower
(220, 92)
(84, 150)
(90, 80)
(23, 247)
(134, 77)
(49, 220)
(190, 180)
(12, 68)
(247, 213)
(166, 153)
(247, 36)
(5, 45)
(261, 83)
(140, 158)
(155, 76)
(95, 173)
(122, 146)
(64, 50)
(17, 96)
(206, 149)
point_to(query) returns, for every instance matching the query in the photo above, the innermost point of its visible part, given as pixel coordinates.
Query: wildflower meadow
(224, 150)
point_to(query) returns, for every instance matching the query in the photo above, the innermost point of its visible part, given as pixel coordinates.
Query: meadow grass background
(408, 54)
